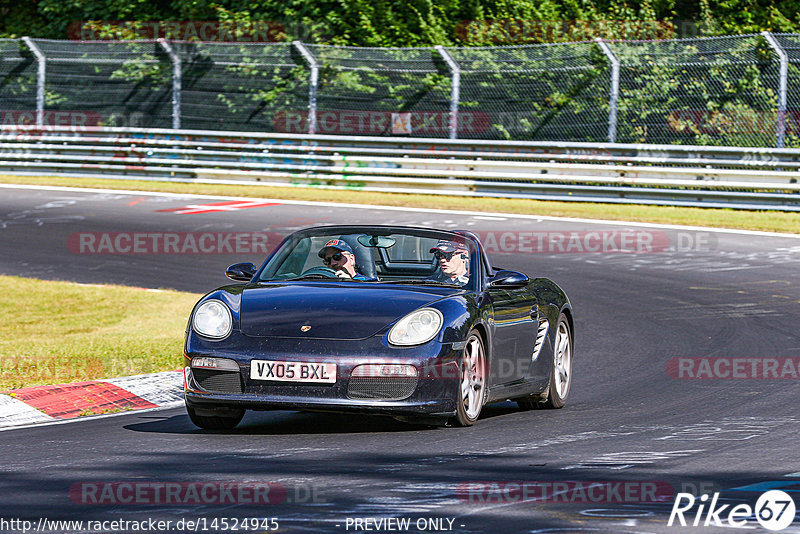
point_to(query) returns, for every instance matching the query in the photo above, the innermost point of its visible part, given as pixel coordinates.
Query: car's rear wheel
(560, 373)
(215, 419)
(472, 385)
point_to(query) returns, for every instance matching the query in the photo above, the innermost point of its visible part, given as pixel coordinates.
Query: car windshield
(375, 255)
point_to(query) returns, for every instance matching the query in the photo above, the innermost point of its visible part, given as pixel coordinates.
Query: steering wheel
(321, 271)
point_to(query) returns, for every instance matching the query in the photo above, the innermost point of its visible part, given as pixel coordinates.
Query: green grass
(772, 221)
(57, 332)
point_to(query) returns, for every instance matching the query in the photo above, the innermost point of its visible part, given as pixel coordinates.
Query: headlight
(417, 327)
(212, 319)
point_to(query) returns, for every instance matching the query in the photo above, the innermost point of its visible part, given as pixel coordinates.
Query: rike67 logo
(774, 511)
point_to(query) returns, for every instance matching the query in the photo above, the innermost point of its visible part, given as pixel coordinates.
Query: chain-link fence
(698, 91)
(240, 86)
(790, 43)
(361, 91)
(557, 92)
(17, 83)
(736, 90)
(114, 83)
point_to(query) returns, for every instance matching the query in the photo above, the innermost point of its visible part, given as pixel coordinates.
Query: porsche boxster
(407, 322)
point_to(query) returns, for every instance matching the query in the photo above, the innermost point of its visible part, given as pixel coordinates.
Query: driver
(338, 255)
(453, 260)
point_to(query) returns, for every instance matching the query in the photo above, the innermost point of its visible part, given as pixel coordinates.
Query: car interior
(395, 257)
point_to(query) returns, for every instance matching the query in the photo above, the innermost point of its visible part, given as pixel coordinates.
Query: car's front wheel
(472, 385)
(215, 419)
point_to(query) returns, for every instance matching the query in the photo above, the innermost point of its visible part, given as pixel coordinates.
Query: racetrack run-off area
(40, 404)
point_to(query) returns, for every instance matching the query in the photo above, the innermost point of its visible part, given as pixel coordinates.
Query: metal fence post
(784, 75)
(312, 85)
(455, 89)
(176, 83)
(40, 79)
(613, 97)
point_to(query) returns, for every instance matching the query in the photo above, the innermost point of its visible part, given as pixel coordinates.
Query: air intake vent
(541, 335)
(381, 388)
(218, 381)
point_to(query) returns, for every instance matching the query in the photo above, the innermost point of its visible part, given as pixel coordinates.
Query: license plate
(314, 372)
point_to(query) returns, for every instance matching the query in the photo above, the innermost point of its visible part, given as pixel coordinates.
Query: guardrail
(744, 178)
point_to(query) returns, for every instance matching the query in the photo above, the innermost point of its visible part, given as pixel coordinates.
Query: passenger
(453, 260)
(338, 255)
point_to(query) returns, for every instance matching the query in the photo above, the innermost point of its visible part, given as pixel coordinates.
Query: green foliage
(423, 22)
(145, 68)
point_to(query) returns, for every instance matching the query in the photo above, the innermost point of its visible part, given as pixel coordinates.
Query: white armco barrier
(704, 176)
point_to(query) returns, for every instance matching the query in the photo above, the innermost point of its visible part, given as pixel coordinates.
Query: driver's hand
(343, 274)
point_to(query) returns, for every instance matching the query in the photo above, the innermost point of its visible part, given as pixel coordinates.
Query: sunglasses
(335, 257)
(446, 255)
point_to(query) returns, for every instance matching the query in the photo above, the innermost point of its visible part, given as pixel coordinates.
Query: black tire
(555, 396)
(471, 389)
(227, 418)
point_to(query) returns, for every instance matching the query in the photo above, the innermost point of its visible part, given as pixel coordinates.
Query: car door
(515, 323)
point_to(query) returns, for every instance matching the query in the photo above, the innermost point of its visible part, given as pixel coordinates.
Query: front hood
(337, 310)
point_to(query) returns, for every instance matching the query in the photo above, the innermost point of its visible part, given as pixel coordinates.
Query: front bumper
(435, 393)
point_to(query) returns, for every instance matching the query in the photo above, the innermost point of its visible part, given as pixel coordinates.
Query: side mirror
(505, 279)
(241, 272)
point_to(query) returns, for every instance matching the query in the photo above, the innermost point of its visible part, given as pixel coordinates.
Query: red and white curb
(43, 404)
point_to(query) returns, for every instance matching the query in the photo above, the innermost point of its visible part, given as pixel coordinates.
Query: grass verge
(56, 332)
(771, 221)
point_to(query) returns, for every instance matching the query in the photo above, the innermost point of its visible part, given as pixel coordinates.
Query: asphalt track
(631, 419)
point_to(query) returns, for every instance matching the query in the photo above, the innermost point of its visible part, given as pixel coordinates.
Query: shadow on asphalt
(292, 423)
(388, 482)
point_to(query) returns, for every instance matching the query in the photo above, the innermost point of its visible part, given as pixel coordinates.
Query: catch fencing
(727, 91)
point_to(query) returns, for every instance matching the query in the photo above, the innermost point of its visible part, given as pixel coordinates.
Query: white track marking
(163, 389)
(14, 412)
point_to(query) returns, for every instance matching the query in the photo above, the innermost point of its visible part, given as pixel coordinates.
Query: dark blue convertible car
(408, 322)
